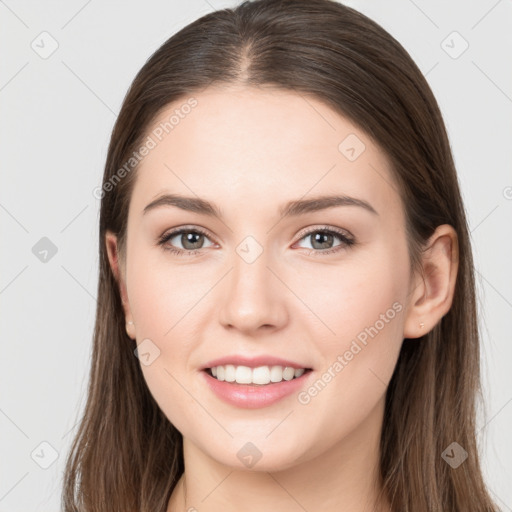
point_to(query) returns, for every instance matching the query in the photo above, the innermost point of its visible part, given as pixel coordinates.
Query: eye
(323, 238)
(192, 240)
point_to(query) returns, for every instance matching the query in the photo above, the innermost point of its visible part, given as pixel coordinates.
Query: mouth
(258, 376)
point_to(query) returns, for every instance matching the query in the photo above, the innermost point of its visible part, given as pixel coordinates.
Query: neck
(346, 478)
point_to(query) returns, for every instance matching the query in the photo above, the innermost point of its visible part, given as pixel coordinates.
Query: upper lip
(253, 362)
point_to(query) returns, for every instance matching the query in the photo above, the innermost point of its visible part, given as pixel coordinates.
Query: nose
(253, 298)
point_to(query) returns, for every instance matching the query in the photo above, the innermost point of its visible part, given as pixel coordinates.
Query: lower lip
(249, 396)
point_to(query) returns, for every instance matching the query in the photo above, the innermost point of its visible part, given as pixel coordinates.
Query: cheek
(363, 307)
(162, 294)
(162, 306)
(366, 290)
(165, 303)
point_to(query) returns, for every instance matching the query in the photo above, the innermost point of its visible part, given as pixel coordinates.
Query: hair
(126, 455)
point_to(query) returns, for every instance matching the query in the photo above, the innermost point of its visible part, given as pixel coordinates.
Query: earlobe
(432, 293)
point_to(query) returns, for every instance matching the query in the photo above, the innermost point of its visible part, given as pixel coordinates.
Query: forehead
(247, 146)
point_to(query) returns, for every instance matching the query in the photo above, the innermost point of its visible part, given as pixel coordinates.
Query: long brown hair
(126, 455)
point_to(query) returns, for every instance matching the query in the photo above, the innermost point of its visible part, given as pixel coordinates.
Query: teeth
(261, 375)
(243, 375)
(229, 373)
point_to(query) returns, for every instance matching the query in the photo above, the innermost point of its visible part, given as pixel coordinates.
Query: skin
(251, 150)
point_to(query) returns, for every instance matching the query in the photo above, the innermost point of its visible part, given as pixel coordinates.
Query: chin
(258, 456)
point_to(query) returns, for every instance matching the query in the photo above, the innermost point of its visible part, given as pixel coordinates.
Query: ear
(431, 293)
(118, 269)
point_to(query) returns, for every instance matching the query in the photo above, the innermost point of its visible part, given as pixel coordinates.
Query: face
(320, 289)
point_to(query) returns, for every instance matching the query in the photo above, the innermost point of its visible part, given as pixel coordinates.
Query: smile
(261, 376)
(257, 388)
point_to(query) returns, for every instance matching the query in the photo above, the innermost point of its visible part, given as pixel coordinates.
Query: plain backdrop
(65, 69)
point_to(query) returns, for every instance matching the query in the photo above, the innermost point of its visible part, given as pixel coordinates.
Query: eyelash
(347, 241)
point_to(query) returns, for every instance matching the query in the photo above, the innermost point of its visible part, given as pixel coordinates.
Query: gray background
(57, 114)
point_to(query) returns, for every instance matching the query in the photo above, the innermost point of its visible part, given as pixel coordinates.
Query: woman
(233, 366)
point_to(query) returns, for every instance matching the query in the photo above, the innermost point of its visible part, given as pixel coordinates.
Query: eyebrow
(290, 209)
